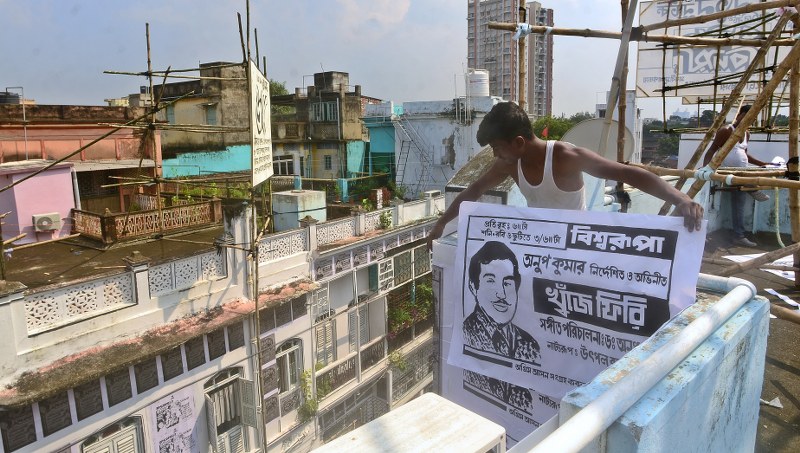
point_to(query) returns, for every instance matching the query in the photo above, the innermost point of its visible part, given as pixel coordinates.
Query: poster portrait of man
(494, 281)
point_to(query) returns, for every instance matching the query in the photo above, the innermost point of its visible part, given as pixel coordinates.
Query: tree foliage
(556, 127)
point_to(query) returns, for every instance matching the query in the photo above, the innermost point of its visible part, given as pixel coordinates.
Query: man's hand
(435, 234)
(691, 212)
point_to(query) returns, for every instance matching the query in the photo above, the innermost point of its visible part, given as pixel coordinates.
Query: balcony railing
(110, 228)
(338, 375)
(373, 354)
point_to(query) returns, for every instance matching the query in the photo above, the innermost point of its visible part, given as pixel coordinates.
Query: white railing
(184, 273)
(51, 309)
(281, 245)
(336, 230)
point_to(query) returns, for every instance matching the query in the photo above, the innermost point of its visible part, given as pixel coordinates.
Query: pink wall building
(45, 199)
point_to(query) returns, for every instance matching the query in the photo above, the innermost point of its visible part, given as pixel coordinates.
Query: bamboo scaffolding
(107, 134)
(721, 15)
(726, 178)
(726, 106)
(664, 39)
(747, 119)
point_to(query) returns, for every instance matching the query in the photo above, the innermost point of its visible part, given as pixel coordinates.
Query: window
(290, 364)
(211, 115)
(283, 165)
(171, 114)
(328, 162)
(123, 436)
(325, 111)
(358, 321)
(325, 333)
(230, 403)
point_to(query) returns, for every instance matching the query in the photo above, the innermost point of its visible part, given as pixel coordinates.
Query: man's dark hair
(745, 109)
(491, 251)
(504, 121)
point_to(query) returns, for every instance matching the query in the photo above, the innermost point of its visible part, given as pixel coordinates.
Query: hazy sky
(400, 50)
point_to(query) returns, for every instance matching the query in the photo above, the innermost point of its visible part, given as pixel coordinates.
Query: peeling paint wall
(710, 402)
(446, 133)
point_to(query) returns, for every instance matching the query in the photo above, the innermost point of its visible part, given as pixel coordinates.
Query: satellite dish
(588, 134)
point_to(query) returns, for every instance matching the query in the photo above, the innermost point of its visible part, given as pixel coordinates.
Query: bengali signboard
(660, 66)
(546, 299)
(260, 126)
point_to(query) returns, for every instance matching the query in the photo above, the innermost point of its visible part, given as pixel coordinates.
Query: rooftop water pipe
(591, 421)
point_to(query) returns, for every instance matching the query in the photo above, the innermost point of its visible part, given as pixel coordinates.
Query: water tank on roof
(478, 83)
(9, 98)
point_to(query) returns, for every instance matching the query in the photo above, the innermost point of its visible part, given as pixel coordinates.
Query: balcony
(110, 228)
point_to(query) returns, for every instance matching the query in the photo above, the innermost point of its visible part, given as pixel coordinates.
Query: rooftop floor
(74, 259)
(778, 429)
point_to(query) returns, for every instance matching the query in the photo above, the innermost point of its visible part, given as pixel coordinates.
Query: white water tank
(478, 83)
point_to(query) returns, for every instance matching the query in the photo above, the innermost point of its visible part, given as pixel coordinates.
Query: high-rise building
(496, 51)
(540, 63)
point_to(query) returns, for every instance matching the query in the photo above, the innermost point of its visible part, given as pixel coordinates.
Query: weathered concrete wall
(230, 159)
(709, 402)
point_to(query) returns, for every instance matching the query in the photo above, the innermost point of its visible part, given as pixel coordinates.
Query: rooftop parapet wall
(710, 402)
(66, 114)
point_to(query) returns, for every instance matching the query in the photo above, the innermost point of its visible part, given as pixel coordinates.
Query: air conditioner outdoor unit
(47, 222)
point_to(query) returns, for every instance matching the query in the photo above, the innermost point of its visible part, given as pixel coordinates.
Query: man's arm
(590, 162)
(497, 173)
(719, 139)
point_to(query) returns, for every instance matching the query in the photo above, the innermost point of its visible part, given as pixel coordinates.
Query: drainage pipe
(591, 421)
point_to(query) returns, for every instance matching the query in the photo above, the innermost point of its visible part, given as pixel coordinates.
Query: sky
(398, 50)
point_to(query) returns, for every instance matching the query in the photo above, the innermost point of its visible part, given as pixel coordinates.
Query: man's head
(506, 127)
(742, 112)
(494, 281)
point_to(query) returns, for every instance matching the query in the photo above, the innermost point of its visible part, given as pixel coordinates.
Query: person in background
(737, 157)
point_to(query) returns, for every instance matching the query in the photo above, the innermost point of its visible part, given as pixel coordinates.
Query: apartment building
(161, 346)
(496, 51)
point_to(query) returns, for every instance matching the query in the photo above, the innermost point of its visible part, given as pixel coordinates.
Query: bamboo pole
(173, 76)
(726, 106)
(521, 60)
(784, 313)
(727, 178)
(756, 262)
(721, 15)
(776, 267)
(794, 124)
(758, 104)
(664, 39)
(146, 73)
(622, 108)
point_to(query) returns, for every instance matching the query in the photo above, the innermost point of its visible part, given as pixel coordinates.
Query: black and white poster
(549, 298)
(172, 421)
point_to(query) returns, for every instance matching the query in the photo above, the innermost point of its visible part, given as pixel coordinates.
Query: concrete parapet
(709, 402)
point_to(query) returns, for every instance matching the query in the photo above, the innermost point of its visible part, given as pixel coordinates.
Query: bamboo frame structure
(789, 66)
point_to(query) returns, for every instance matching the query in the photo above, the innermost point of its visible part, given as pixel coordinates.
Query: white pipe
(577, 432)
